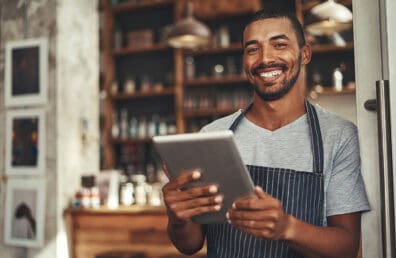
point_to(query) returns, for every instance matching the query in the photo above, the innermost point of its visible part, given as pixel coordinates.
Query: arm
(182, 204)
(263, 216)
(339, 239)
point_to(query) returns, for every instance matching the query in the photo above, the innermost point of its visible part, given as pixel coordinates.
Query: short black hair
(267, 14)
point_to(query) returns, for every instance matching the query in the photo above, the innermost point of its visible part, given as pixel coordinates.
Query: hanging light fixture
(189, 32)
(333, 17)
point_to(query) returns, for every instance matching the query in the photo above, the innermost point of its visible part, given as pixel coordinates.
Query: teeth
(271, 74)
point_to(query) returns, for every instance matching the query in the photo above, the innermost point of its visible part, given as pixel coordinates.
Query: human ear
(306, 54)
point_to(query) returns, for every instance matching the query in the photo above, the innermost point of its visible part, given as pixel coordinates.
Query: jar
(139, 181)
(127, 194)
(155, 194)
(95, 197)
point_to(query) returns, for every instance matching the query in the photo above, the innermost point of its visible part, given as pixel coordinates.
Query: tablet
(215, 154)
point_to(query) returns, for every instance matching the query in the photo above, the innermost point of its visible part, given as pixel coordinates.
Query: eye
(251, 50)
(280, 45)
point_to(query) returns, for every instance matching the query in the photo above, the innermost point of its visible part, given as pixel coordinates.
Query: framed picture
(26, 72)
(25, 142)
(24, 212)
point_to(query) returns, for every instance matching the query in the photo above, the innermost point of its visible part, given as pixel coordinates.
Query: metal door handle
(371, 105)
(386, 176)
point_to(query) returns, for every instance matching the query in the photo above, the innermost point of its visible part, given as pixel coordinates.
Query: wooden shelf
(331, 91)
(330, 48)
(206, 81)
(208, 112)
(130, 6)
(148, 94)
(134, 209)
(139, 50)
(131, 140)
(233, 47)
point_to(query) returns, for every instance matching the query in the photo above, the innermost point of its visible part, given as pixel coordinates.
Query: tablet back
(215, 154)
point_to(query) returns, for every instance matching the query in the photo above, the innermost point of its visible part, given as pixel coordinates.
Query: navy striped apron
(300, 192)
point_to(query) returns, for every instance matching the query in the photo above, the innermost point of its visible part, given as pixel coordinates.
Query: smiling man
(304, 160)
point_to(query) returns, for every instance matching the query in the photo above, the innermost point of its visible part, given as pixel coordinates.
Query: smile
(271, 74)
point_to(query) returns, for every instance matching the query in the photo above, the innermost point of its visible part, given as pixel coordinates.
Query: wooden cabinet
(149, 82)
(121, 233)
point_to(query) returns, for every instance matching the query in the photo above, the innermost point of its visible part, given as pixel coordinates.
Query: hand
(260, 215)
(183, 203)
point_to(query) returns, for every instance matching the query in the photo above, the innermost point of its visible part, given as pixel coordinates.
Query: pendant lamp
(189, 32)
(333, 17)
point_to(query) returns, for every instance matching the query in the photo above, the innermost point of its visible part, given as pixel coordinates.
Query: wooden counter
(125, 232)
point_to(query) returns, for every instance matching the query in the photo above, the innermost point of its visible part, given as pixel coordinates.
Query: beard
(286, 85)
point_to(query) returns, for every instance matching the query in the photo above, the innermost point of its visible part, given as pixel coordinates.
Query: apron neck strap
(316, 138)
(316, 135)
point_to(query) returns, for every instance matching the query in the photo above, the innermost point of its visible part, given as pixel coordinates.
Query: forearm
(187, 237)
(326, 242)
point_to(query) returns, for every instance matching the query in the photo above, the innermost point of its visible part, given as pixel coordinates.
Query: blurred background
(114, 73)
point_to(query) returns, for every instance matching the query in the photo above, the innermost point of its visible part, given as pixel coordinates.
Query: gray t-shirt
(290, 147)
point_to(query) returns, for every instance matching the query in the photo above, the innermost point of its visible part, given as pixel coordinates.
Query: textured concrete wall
(77, 97)
(71, 27)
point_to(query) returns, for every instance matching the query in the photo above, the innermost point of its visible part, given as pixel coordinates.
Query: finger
(197, 202)
(166, 171)
(253, 224)
(260, 192)
(182, 180)
(252, 204)
(192, 193)
(251, 215)
(187, 214)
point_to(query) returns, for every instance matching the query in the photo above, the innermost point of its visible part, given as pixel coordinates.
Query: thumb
(260, 192)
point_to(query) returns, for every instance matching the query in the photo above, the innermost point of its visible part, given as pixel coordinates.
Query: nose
(267, 55)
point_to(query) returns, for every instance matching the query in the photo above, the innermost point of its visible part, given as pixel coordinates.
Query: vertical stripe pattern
(301, 194)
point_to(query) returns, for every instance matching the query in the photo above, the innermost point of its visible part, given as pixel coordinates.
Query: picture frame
(26, 72)
(25, 142)
(24, 221)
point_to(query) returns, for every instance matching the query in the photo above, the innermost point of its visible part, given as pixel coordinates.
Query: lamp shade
(331, 10)
(189, 32)
(333, 18)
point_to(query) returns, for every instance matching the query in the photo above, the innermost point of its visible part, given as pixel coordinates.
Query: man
(304, 161)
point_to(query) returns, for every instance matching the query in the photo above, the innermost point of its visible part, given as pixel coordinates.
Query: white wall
(343, 105)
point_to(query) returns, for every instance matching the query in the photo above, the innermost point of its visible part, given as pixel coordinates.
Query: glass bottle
(124, 123)
(142, 130)
(115, 129)
(190, 67)
(337, 79)
(117, 38)
(133, 127)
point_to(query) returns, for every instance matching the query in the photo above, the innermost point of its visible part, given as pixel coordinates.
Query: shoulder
(223, 123)
(332, 125)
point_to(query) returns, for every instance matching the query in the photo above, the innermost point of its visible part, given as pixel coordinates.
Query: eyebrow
(282, 36)
(254, 41)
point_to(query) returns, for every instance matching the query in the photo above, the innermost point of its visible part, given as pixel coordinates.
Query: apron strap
(237, 120)
(316, 138)
(316, 135)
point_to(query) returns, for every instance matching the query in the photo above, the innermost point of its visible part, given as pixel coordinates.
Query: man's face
(272, 58)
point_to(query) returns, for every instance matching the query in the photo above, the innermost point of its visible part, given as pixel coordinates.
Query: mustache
(261, 66)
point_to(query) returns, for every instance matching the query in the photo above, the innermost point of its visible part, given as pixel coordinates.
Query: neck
(275, 114)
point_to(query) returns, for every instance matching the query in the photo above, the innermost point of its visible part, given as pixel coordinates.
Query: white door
(375, 60)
